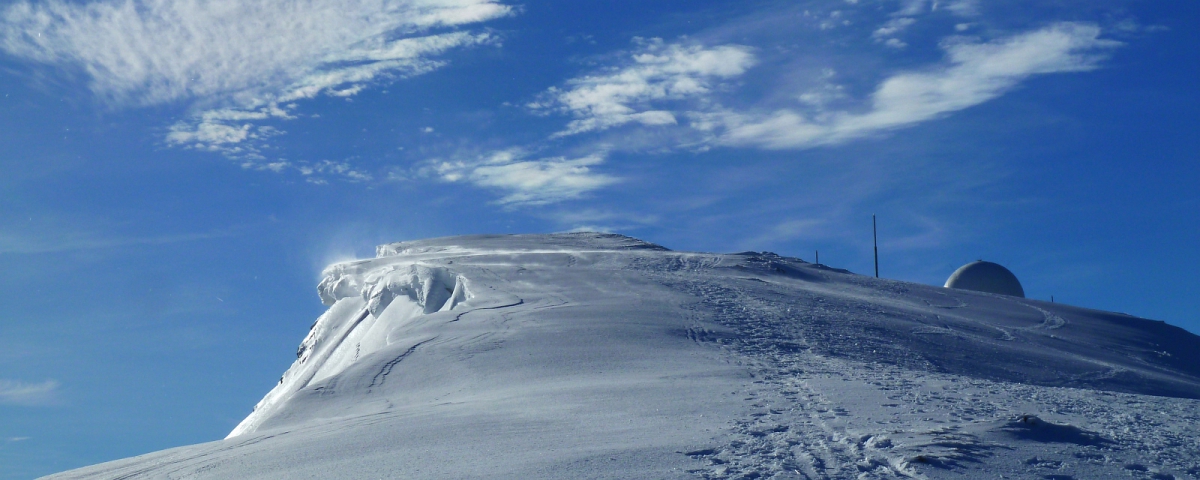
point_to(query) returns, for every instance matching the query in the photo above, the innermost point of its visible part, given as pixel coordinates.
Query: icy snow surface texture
(602, 356)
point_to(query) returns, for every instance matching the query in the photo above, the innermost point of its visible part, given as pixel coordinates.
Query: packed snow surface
(602, 356)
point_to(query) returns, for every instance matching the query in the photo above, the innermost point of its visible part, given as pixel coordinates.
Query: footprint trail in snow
(602, 356)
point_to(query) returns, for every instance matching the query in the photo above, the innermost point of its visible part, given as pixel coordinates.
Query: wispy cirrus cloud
(239, 62)
(525, 181)
(656, 72)
(155, 51)
(689, 94)
(13, 392)
(964, 8)
(971, 73)
(893, 27)
(230, 130)
(887, 34)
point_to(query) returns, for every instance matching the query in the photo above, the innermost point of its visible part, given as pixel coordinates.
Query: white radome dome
(987, 277)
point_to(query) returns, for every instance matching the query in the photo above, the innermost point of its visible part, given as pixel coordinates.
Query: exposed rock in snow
(602, 356)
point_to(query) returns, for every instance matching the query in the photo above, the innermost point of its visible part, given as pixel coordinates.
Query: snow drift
(602, 356)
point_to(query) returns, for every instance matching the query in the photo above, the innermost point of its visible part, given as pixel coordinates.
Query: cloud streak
(647, 92)
(249, 59)
(973, 73)
(28, 394)
(525, 181)
(657, 72)
(155, 51)
(681, 88)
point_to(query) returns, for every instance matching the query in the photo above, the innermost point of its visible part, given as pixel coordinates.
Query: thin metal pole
(875, 236)
(818, 252)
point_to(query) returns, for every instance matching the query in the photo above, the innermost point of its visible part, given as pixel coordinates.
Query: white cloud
(892, 27)
(824, 92)
(834, 20)
(331, 168)
(249, 58)
(29, 394)
(317, 173)
(656, 72)
(964, 8)
(226, 130)
(887, 33)
(155, 51)
(644, 92)
(973, 73)
(675, 86)
(527, 182)
(914, 7)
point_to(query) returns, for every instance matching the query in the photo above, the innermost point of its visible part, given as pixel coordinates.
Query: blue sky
(176, 174)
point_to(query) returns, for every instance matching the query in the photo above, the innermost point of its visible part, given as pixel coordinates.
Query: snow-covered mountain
(602, 356)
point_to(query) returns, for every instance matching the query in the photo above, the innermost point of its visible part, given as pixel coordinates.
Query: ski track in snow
(830, 375)
(815, 416)
(380, 377)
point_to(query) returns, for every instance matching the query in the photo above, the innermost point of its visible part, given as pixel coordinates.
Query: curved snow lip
(375, 302)
(431, 287)
(558, 242)
(368, 302)
(372, 300)
(571, 355)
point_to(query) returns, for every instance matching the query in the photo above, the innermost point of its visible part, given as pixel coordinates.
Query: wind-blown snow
(602, 356)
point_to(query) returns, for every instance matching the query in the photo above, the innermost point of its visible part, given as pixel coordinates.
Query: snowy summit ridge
(603, 356)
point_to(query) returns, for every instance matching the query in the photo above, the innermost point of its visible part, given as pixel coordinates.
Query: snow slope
(602, 356)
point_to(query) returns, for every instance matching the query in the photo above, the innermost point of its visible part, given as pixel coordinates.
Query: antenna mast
(875, 236)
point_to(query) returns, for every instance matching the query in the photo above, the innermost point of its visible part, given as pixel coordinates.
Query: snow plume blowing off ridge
(588, 355)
